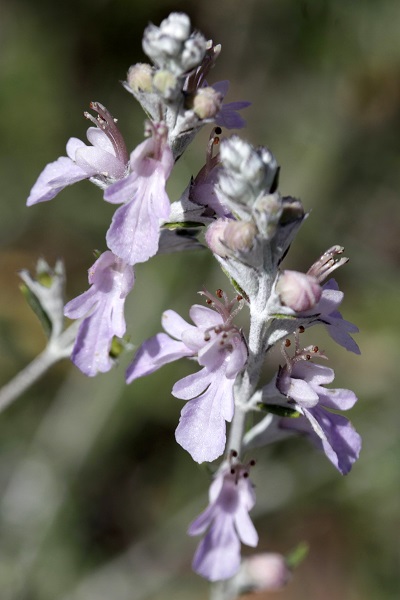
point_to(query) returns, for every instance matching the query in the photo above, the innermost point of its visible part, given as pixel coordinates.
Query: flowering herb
(249, 228)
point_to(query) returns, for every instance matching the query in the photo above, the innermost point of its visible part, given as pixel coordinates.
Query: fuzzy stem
(246, 386)
(54, 351)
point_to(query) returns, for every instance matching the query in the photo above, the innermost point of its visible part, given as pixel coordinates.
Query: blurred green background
(95, 494)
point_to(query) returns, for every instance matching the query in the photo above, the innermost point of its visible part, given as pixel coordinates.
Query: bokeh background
(95, 494)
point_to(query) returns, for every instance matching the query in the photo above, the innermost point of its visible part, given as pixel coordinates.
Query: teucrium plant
(249, 227)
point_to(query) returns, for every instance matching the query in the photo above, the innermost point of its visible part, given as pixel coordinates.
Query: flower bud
(298, 291)
(215, 236)
(225, 234)
(247, 174)
(139, 78)
(176, 25)
(239, 235)
(267, 211)
(262, 573)
(207, 103)
(171, 46)
(166, 84)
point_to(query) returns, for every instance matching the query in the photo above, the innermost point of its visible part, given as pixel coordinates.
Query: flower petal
(245, 528)
(204, 317)
(218, 554)
(153, 354)
(54, 178)
(193, 385)
(174, 324)
(96, 161)
(201, 429)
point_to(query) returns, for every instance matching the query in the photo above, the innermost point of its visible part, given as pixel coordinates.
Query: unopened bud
(298, 291)
(262, 573)
(207, 103)
(171, 46)
(225, 234)
(214, 237)
(193, 52)
(166, 84)
(239, 235)
(267, 211)
(176, 25)
(139, 77)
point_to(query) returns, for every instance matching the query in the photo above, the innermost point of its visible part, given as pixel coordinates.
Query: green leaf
(281, 411)
(183, 225)
(37, 308)
(297, 555)
(236, 285)
(281, 316)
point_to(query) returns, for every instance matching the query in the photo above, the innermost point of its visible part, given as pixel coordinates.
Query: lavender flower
(219, 348)
(135, 229)
(102, 310)
(228, 115)
(226, 518)
(302, 382)
(325, 310)
(338, 328)
(103, 163)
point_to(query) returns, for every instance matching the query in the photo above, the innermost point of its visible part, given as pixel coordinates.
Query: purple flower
(219, 348)
(228, 116)
(135, 229)
(330, 299)
(102, 310)
(303, 383)
(227, 520)
(203, 189)
(104, 162)
(338, 328)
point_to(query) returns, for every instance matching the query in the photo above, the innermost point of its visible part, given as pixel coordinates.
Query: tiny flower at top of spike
(226, 521)
(219, 348)
(302, 381)
(102, 309)
(104, 162)
(135, 229)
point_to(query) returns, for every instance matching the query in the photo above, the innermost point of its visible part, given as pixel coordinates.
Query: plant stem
(54, 351)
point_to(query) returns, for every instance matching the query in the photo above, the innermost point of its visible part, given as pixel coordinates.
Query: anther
(288, 343)
(308, 356)
(245, 474)
(252, 462)
(219, 293)
(315, 349)
(218, 130)
(234, 453)
(301, 329)
(208, 301)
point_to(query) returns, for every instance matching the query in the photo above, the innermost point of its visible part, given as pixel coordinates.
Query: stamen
(106, 122)
(327, 263)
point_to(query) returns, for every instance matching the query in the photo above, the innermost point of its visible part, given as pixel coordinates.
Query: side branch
(54, 351)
